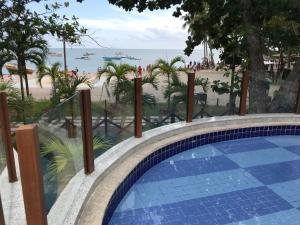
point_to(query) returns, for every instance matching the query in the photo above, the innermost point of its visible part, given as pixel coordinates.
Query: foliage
(178, 90)
(22, 31)
(54, 73)
(69, 153)
(169, 69)
(127, 90)
(12, 92)
(116, 75)
(226, 87)
(5, 56)
(67, 85)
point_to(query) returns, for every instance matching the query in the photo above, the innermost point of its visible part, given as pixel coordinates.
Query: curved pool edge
(85, 198)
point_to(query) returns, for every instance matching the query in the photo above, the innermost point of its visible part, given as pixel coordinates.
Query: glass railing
(112, 122)
(2, 151)
(217, 94)
(61, 145)
(274, 92)
(164, 100)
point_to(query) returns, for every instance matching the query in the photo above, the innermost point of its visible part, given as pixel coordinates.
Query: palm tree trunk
(23, 63)
(21, 80)
(169, 97)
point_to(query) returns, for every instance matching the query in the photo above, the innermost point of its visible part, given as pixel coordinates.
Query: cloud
(140, 23)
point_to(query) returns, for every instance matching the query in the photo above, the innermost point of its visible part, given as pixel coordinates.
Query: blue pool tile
(276, 173)
(295, 149)
(262, 157)
(217, 209)
(184, 168)
(286, 217)
(196, 153)
(290, 191)
(284, 141)
(244, 145)
(143, 195)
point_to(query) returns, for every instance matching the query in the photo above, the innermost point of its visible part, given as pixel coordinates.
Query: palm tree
(12, 93)
(127, 90)
(66, 156)
(5, 56)
(27, 48)
(177, 90)
(54, 73)
(118, 72)
(170, 70)
(15, 101)
(67, 86)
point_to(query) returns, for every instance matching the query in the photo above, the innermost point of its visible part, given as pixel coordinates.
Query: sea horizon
(91, 64)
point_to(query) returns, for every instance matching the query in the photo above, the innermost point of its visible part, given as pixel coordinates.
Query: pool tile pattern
(215, 182)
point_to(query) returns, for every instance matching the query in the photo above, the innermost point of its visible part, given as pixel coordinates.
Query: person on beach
(140, 71)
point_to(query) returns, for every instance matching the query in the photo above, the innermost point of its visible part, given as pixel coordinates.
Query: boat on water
(88, 54)
(13, 69)
(84, 58)
(55, 54)
(111, 58)
(132, 58)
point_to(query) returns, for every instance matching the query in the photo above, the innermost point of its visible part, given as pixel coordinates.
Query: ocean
(144, 56)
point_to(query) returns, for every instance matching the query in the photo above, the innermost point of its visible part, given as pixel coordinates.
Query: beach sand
(99, 93)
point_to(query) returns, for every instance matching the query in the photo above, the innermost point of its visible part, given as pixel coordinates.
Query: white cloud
(140, 23)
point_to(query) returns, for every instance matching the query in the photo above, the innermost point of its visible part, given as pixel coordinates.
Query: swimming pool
(245, 181)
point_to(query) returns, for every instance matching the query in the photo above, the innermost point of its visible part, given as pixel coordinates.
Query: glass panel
(61, 147)
(274, 91)
(112, 122)
(165, 101)
(217, 93)
(2, 150)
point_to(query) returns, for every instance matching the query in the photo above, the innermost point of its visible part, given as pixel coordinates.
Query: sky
(113, 27)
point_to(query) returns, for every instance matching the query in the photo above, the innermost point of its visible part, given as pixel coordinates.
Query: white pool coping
(85, 198)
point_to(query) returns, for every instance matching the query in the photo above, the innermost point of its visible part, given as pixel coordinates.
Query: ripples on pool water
(243, 182)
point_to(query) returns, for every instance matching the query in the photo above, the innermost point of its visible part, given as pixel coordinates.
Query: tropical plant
(5, 56)
(178, 90)
(169, 69)
(67, 85)
(127, 90)
(26, 48)
(15, 102)
(54, 73)
(233, 88)
(22, 31)
(116, 75)
(66, 154)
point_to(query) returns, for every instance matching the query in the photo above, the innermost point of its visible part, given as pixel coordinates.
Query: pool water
(253, 181)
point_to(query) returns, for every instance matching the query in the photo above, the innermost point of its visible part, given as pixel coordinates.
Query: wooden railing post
(87, 131)
(6, 135)
(244, 94)
(298, 101)
(2, 220)
(138, 107)
(190, 97)
(31, 174)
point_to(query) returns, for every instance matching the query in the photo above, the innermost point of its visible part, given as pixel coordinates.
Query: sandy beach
(99, 93)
